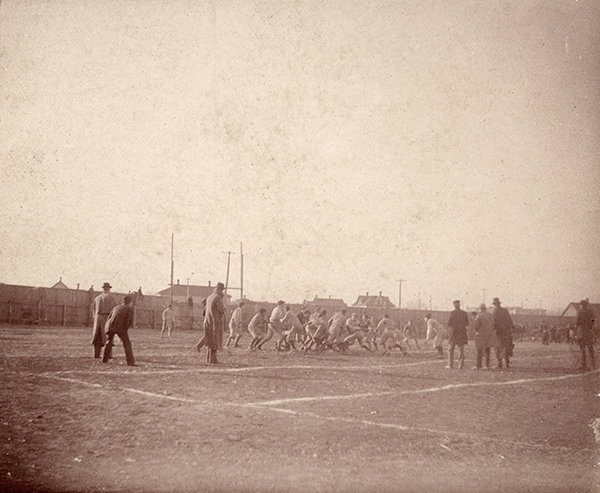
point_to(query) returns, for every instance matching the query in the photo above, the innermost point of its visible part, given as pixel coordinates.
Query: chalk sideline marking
(417, 391)
(269, 405)
(149, 370)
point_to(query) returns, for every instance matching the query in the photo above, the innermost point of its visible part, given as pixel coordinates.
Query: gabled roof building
(330, 304)
(573, 307)
(367, 301)
(181, 292)
(60, 285)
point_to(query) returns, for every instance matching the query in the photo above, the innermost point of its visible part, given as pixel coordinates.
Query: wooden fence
(74, 307)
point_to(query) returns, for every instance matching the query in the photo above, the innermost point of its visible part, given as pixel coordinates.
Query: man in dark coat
(458, 335)
(214, 323)
(503, 325)
(118, 323)
(584, 333)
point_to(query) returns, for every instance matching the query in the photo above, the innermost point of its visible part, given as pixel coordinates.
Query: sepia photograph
(299, 246)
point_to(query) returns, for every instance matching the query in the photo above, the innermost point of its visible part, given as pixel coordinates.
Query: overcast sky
(346, 144)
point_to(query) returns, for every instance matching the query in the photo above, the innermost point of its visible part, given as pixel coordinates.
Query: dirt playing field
(289, 422)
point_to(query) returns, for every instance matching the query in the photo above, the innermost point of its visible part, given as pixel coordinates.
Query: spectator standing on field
(503, 325)
(103, 305)
(435, 331)
(168, 319)
(214, 323)
(458, 322)
(118, 323)
(584, 334)
(485, 336)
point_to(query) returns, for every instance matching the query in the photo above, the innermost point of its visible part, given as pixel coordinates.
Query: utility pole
(400, 300)
(172, 264)
(241, 271)
(228, 262)
(400, 293)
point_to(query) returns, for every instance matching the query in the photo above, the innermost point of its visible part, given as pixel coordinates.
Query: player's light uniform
(292, 327)
(258, 328)
(355, 332)
(337, 325)
(235, 326)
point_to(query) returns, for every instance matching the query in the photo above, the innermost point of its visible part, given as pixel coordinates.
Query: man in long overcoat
(485, 337)
(503, 325)
(584, 333)
(214, 323)
(458, 334)
(103, 305)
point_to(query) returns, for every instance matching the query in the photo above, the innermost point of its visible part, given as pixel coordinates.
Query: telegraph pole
(241, 271)
(400, 293)
(172, 264)
(228, 262)
(400, 300)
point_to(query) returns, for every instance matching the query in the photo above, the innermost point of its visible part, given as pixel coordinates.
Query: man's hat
(106, 285)
(482, 306)
(220, 286)
(280, 302)
(456, 302)
(127, 299)
(496, 301)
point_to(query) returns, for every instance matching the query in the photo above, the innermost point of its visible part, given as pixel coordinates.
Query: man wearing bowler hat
(458, 335)
(585, 334)
(118, 323)
(103, 305)
(214, 323)
(503, 325)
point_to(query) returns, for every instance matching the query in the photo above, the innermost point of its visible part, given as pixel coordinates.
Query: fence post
(64, 315)
(153, 318)
(10, 312)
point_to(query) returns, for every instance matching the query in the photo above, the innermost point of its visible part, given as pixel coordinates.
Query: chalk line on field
(276, 402)
(270, 405)
(417, 391)
(430, 431)
(175, 370)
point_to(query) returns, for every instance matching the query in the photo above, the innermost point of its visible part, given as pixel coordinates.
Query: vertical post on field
(172, 264)
(227, 276)
(400, 300)
(241, 271)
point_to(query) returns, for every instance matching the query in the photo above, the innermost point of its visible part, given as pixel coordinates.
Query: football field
(288, 421)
